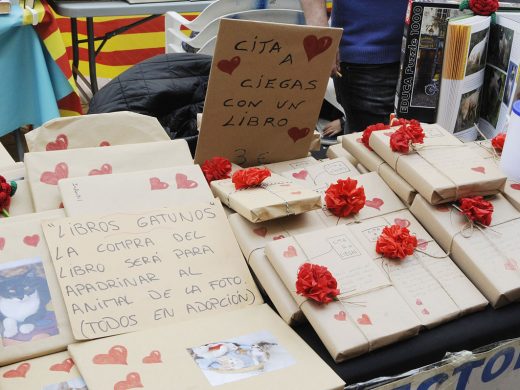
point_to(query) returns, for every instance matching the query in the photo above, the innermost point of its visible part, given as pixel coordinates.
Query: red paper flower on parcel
(406, 135)
(250, 177)
(483, 7)
(396, 242)
(477, 209)
(345, 198)
(498, 141)
(317, 283)
(217, 168)
(369, 130)
(7, 190)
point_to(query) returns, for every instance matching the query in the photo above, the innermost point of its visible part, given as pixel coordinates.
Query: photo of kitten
(26, 311)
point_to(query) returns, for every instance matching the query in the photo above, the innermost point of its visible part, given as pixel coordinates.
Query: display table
(91, 9)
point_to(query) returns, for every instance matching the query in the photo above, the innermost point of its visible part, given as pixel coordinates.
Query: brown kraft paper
(337, 150)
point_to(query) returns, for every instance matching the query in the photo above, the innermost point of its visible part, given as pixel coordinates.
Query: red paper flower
(477, 209)
(7, 190)
(498, 141)
(415, 131)
(396, 242)
(402, 138)
(368, 131)
(217, 168)
(250, 177)
(317, 283)
(483, 7)
(345, 198)
(399, 122)
(400, 142)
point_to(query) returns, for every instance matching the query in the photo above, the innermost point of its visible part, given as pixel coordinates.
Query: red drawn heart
(60, 206)
(31, 240)
(278, 237)
(418, 302)
(61, 143)
(64, 366)
(425, 311)
(153, 357)
(116, 355)
(290, 252)
(133, 381)
(443, 208)
(511, 265)
(183, 181)
(61, 171)
(18, 372)
(261, 231)
(314, 46)
(402, 222)
(479, 169)
(364, 320)
(2, 243)
(296, 133)
(375, 203)
(228, 66)
(106, 169)
(104, 143)
(157, 184)
(340, 316)
(296, 192)
(515, 186)
(422, 244)
(302, 175)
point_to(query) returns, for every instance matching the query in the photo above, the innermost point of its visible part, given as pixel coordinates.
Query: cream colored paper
(53, 372)
(265, 91)
(337, 150)
(290, 362)
(36, 321)
(5, 158)
(284, 166)
(362, 169)
(276, 197)
(44, 170)
(13, 172)
(323, 174)
(134, 191)
(21, 202)
(88, 131)
(488, 256)
(443, 169)
(122, 272)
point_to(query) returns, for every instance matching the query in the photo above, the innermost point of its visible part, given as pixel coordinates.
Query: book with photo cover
(5, 7)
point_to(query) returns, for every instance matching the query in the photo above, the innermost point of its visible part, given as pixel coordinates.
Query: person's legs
(367, 93)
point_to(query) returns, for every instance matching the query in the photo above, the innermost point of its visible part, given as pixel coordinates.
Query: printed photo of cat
(26, 311)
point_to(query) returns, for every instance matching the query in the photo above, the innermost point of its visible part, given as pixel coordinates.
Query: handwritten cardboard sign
(265, 91)
(125, 272)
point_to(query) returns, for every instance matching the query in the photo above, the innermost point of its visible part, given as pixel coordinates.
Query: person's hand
(335, 69)
(332, 128)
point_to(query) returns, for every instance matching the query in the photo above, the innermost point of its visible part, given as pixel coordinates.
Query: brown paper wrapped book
(53, 372)
(245, 349)
(45, 170)
(284, 166)
(21, 202)
(34, 319)
(335, 151)
(275, 197)
(88, 131)
(441, 169)
(487, 255)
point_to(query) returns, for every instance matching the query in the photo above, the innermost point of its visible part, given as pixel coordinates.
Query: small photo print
(500, 42)
(510, 82)
(494, 85)
(72, 384)
(477, 51)
(468, 110)
(26, 311)
(240, 358)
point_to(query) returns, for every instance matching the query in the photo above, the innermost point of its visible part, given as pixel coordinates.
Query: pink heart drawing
(228, 66)
(2, 243)
(157, 184)
(479, 169)
(422, 244)
(61, 171)
(116, 355)
(314, 46)
(425, 311)
(132, 381)
(278, 237)
(153, 357)
(261, 231)
(104, 143)
(511, 265)
(290, 252)
(106, 169)
(375, 203)
(296, 192)
(364, 320)
(302, 175)
(340, 316)
(61, 143)
(18, 372)
(183, 182)
(64, 366)
(404, 223)
(418, 302)
(31, 240)
(515, 186)
(296, 133)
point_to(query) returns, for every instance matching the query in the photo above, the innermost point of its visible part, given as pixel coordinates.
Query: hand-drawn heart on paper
(61, 143)
(183, 181)
(296, 133)
(340, 316)
(290, 252)
(425, 311)
(116, 355)
(364, 320)
(281, 236)
(104, 143)
(374, 203)
(515, 186)
(511, 265)
(302, 175)
(261, 231)
(314, 46)
(61, 171)
(31, 240)
(157, 184)
(228, 66)
(2, 243)
(479, 169)
(404, 223)
(152, 358)
(418, 302)
(422, 244)
(133, 381)
(106, 169)
(18, 372)
(64, 366)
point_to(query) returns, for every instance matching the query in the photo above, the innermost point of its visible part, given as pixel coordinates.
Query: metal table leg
(75, 46)
(91, 55)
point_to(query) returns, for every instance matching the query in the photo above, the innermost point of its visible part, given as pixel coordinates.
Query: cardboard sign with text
(265, 91)
(125, 272)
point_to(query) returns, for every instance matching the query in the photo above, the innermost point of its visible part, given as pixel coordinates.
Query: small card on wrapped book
(290, 165)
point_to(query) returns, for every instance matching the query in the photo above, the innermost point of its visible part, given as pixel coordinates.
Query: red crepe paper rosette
(250, 177)
(7, 190)
(407, 135)
(217, 168)
(477, 209)
(399, 121)
(396, 242)
(317, 283)
(345, 198)
(483, 7)
(498, 142)
(365, 138)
